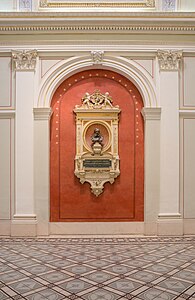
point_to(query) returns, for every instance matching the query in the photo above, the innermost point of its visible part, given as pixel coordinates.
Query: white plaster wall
(46, 65)
(5, 81)
(148, 65)
(5, 168)
(188, 82)
(189, 167)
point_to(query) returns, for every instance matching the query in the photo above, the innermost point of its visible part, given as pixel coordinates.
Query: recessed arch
(71, 201)
(128, 68)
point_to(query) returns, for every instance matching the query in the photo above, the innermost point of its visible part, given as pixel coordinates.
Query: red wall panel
(124, 199)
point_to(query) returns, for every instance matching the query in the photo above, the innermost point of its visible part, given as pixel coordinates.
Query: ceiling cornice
(93, 22)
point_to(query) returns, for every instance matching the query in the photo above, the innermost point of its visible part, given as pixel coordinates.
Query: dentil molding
(24, 60)
(97, 21)
(169, 60)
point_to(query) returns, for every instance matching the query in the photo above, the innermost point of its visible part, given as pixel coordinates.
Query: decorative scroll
(97, 159)
(169, 60)
(24, 60)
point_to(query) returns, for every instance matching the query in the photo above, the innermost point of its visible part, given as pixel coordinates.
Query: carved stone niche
(97, 158)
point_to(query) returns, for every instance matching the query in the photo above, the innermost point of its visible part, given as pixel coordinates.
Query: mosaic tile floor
(97, 269)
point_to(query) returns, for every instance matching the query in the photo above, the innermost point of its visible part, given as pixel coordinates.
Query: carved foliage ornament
(97, 57)
(169, 60)
(24, 60)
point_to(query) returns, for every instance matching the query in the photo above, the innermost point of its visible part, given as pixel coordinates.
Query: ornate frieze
(97, 56)
(24, 60)
(97, 159)
(169, 60)
(101, 3)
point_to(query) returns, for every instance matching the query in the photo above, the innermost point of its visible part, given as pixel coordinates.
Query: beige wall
(6, 139)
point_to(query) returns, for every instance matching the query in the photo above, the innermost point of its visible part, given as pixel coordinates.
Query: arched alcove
(144, 83)
(69, 199)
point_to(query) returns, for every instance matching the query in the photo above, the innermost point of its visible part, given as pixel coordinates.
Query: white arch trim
(128, 68)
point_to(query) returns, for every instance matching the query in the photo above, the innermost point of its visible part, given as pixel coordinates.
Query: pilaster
(24, 217)
(169, 65)
(152, 118)
(41, 170)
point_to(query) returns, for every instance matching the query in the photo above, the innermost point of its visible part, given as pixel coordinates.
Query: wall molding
(7, 114)
(187, 113)
(153, 113)
(42, 113)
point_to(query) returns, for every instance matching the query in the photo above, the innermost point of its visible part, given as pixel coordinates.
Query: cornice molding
(151, 113)
(42, 113)
(94, 29)
(97, 21)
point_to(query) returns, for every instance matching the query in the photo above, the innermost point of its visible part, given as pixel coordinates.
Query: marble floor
(97, 268)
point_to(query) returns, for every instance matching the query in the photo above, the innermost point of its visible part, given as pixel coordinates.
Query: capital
(169, 60)
(24, 60)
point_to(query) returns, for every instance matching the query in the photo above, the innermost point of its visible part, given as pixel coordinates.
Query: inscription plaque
(97, 163)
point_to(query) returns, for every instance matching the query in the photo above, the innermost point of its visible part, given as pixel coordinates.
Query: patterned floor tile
(45, 295)
(11, 276)
(3, 296)
(25, 262)
(186, 275)
(144, 276)
(174, 285)
(75, 286)
(54, 276)
(161, 269)
(38, 269)
(124, 285)
(98, 263)
(156, 294)
(119, 269)
(61, 263)
(101, 294)
(78, 270)
(4, 268)
(25, 286)
(99, 277)
(142, 268)
(136, 263)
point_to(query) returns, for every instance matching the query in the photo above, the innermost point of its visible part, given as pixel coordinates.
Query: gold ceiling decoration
(100, 3)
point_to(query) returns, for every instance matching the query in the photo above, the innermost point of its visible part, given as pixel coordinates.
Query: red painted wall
(124, 199)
